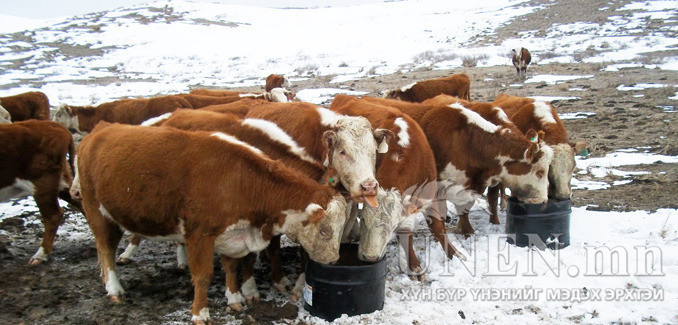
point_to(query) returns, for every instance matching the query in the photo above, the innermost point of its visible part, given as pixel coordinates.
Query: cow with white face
(345, 143)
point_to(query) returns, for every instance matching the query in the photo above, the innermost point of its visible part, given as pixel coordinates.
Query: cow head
(528, 177)
(277, 95)
(377, 225)
(318, 229)
(391, 94)
(4, 116)
(64, 114)
(352, 152)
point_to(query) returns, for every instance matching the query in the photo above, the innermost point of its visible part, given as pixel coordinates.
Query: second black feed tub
(350, 286)
(545, 225)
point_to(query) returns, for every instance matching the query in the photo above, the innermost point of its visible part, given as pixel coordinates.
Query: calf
(409, 163)
(126, 111)
(33, 162)
(25, 106)
(528, 113)
(457, 85)
(521, 58)
(207, 189)
(472, 153)
(276, 81)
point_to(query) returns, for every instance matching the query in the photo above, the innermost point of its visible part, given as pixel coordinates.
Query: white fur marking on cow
(403, 135)
(542, 111)
(406, 88)
(501, 115)
(278, 95)
(249, 95)
(240, 239)
(518, 53)
(299, 285)
(153, 120)
(40, 255)
(475, 118)
(277, 134)
(249, 289)
(4, 116)
(234, 140)
(327, 117)
(234, 298)
(21, 187)
(203, 315)
(105, 212)
(457, 192)
(113, 287)
(293, 217)
(129, 252)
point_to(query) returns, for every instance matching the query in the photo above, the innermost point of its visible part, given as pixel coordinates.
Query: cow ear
(580, 148)
(541, 136)
(382, 136)
(314, 217)
(532, 136)
(330, 139)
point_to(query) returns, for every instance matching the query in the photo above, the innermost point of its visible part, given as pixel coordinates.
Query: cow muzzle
(368, 193)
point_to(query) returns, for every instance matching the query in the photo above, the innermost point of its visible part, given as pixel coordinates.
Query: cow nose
(369, 187)
(368, 258)
(75, 194)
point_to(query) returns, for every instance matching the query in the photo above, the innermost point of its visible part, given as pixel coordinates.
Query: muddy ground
(67, 290)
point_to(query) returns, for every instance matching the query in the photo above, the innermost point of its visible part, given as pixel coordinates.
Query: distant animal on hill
(521, 58)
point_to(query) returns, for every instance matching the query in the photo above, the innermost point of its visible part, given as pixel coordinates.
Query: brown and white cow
(473, 153)
(521, 57)
(457, 85)
(33, 162)
(277, 144)
(4, 116)
(25, 106)
(409, 163)
(276, 81)
(347, 144)
(496, 115)
(126, 111)
(277, 89)
(207, 189)
(528, 113)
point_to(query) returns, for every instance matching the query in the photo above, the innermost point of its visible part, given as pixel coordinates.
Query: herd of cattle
(229, 172)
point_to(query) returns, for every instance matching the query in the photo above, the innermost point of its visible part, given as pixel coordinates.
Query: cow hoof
(236, 306)
(250, 300)
(35, 261)
(123, 261)
(182, 267)
(417, 274)
(202, 322)
(282, 285)
(467, 233)
(115, 299)
(294, 297)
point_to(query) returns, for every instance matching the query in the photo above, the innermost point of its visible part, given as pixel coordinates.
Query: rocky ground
(67, 289)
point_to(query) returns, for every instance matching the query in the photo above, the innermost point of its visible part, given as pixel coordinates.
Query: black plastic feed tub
(350, 286)
(541, 225)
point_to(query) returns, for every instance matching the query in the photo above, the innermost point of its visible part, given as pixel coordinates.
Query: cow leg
(406, 240)
(230, 266)
(249, 286)
(130, 251)
(107, 235)
(434, 218)
(492, 195)
(200, 253)
(464, 225)
(46, 190)
(301, 280)
(274, 253)
(182, 261)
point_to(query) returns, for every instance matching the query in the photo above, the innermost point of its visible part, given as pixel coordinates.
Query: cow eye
(342, 152)
(325, 232)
